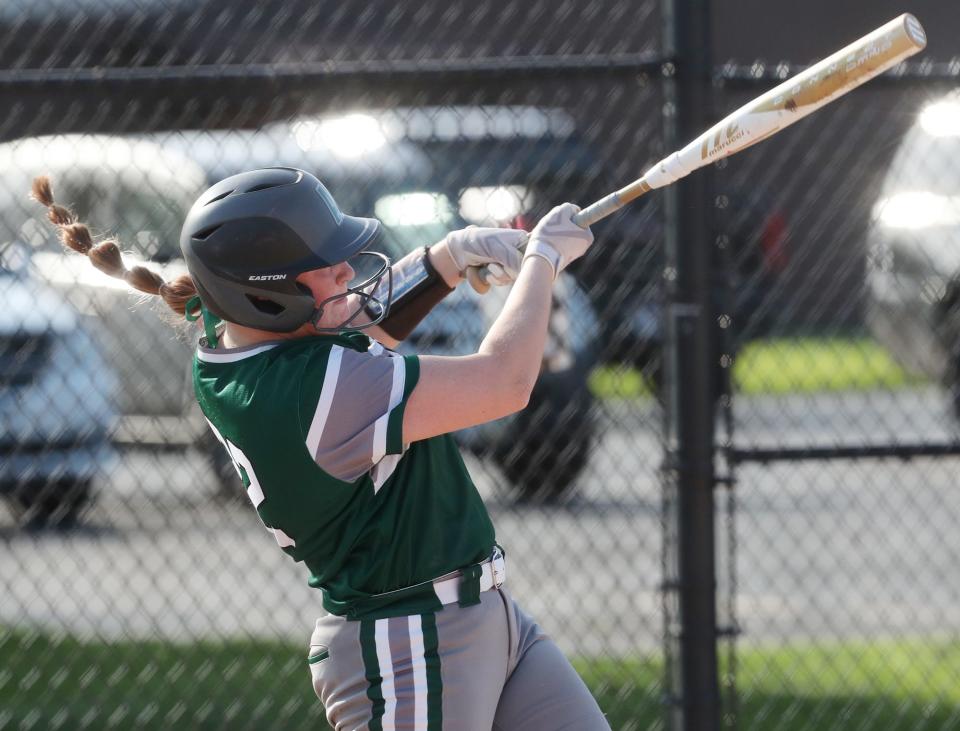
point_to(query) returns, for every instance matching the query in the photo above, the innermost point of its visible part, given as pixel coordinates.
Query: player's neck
(238, 336)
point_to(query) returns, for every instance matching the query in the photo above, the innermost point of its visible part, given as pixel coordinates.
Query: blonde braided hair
(106, 256)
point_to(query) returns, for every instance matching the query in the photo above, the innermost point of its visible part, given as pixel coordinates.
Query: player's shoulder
(279, 370)
(273, 381)
(279, 352)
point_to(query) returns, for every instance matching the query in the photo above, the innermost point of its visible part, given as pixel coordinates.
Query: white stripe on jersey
(380, 426)
(381, 633)
(283, 540)
(383, 469)
(326, 398)
(229, 357)
(375, 348)
(418, 661)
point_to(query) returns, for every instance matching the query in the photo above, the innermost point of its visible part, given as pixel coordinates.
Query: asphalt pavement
(823, 550)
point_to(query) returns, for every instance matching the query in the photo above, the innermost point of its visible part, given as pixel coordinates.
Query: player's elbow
(515, 393)
(507, 404)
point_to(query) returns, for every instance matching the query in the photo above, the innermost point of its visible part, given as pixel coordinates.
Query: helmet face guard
(247, 238)
(367, 298)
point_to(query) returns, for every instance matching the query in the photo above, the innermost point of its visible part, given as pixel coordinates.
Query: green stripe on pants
(371, 668)
(431, 658)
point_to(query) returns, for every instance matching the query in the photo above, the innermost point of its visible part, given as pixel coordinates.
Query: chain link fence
(841, 434)
(138, 588)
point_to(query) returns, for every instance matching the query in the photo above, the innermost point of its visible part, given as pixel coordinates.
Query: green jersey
(314, 428)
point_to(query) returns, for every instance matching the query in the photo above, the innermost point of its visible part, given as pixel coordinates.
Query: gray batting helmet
(247, 238)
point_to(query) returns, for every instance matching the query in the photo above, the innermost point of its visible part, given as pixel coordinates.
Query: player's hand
(497, 249)
(557, 239)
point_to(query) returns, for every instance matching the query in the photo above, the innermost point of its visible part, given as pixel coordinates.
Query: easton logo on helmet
(262, 277)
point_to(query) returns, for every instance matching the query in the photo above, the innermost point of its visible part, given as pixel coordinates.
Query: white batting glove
(557, 239)
(498, 249)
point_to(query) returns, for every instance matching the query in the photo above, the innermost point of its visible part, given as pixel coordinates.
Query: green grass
(796, 365)
(808, 364)
(608, 382)
(57, 682)
(903, 684)
(61, 683)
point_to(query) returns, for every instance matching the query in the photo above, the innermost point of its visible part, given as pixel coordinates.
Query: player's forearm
(419, 281)
(516, 340)
(444, 264)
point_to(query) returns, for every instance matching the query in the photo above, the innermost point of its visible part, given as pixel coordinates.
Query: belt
(492, 573)
(462, 587)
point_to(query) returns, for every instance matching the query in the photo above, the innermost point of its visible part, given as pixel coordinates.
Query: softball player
(344, 446)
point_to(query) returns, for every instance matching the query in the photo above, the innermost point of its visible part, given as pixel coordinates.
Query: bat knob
(477, 276)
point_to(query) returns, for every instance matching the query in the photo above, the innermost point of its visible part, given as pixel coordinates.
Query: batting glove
(557, 239)
(498, 249)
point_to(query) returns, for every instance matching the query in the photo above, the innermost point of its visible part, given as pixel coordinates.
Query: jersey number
(249, 478)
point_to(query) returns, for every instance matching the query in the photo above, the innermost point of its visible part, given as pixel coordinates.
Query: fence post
(690, 359)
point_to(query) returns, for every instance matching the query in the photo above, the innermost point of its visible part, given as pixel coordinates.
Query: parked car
(56, 400)
(140, 188)
(913, 264)
(138, 192)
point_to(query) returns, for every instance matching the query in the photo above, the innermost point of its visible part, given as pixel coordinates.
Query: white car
(913, 264)
(139, 189)
(56, 402)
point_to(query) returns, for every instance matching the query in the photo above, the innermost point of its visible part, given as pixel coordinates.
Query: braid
(106, 255)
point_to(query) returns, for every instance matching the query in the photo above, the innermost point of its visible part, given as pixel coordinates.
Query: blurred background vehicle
(137, 192)
(423, 171)
(57, 406)
(406, 167)
(913, 305)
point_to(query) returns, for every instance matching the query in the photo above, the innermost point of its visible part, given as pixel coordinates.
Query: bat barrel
(795, 98)
(778, 108)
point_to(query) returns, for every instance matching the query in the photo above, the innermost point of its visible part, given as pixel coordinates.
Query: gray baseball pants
(476, 668)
